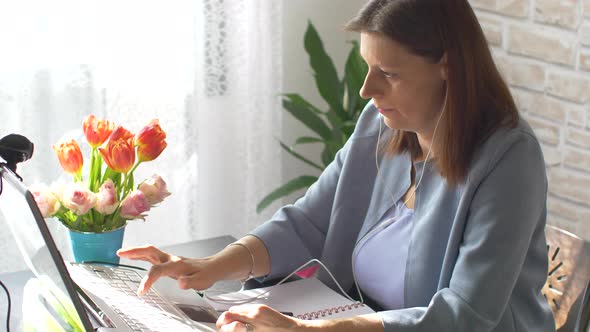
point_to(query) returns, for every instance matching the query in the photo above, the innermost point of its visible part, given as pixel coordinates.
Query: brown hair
(478, 100)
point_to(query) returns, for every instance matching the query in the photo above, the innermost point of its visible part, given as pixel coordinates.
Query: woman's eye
(388, 74)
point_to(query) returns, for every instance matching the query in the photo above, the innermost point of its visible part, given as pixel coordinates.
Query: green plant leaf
(348, 127)
(336, 124)
(334, 119)
(326, 77)
(308, 118)
(297, 99)
(333, 127)
(355, 71)
(300, 157)
(328, 155)
(300, 182)
(361, 106)
(308, 140)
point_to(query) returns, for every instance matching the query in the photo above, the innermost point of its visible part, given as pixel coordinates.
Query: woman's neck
(425, 146)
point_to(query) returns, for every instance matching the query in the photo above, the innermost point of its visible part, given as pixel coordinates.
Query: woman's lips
(385, 110)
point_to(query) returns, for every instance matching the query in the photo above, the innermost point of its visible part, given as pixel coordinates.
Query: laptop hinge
(94, 310)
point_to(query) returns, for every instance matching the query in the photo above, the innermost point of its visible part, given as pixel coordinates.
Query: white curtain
(209, 70)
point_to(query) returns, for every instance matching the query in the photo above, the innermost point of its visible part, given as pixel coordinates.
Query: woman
(436, 206)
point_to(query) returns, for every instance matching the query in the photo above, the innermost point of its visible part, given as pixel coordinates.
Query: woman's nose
(370, 88)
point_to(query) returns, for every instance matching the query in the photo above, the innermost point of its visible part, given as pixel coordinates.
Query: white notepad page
(305, 298)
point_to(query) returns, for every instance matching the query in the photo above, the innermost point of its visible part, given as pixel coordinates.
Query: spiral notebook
(305, 298)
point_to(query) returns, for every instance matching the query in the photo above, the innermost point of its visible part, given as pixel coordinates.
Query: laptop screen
(37, 247)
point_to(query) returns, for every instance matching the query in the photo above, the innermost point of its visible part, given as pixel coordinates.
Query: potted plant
(333, 126)
(95, 207)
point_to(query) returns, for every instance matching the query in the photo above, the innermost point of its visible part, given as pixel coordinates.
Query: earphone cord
(9, 305)
(253, 298)
(427, 155)
(391, 192)
(250, 299)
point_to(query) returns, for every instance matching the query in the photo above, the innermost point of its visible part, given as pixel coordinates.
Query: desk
(15, 281)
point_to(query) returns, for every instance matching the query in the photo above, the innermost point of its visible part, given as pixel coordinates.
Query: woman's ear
(444, 71)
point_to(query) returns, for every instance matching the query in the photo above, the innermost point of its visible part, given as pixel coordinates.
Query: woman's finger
(233, 327)
(145, 253)
(240, 316)
(234, 319)
(261, 317)
(173, 269)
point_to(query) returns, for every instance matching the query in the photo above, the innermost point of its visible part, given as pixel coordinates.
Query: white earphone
(382, 119)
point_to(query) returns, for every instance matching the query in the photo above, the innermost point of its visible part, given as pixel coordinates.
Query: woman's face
(407, 89)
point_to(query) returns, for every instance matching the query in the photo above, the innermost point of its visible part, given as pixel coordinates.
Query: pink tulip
(107, 198)
(78, 199)
(134, 205)
(58, 189)
(154, 189)
(46, 201)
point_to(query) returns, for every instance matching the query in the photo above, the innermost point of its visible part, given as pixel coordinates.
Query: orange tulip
(97, 130)
(119, 154)
(70, 156)
(121, 133)
(150, 141)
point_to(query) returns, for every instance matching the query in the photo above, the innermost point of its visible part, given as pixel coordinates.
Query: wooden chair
(567, 289)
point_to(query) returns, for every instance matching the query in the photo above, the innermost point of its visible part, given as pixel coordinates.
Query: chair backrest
(567, 278)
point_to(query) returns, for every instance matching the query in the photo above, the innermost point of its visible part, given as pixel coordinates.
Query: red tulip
(121, 133)
(97, 130)
(150, 141)
(70, 156)
(119, 154)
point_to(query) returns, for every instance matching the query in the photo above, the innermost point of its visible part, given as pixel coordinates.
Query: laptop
(86, 297)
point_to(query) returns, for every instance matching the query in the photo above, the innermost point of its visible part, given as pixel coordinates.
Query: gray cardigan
(477, 258)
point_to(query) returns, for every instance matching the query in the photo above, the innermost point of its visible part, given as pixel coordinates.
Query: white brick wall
(564, 13)
(542, 47)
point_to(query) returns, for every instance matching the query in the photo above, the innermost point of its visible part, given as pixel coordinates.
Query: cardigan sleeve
(296, 233)
(507, 210)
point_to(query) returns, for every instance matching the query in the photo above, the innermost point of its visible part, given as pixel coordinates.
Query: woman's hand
(262, 319)
(190, 273)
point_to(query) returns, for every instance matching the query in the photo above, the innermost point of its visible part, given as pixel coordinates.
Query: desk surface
(15, 281)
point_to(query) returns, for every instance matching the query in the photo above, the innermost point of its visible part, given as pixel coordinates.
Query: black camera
(15, 148)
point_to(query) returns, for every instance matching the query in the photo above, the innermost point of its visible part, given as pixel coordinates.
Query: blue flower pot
(100, 247)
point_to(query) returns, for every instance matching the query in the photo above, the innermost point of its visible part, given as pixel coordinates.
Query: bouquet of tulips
(106, 197)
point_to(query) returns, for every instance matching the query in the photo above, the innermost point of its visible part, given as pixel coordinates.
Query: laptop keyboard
(118, 287)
